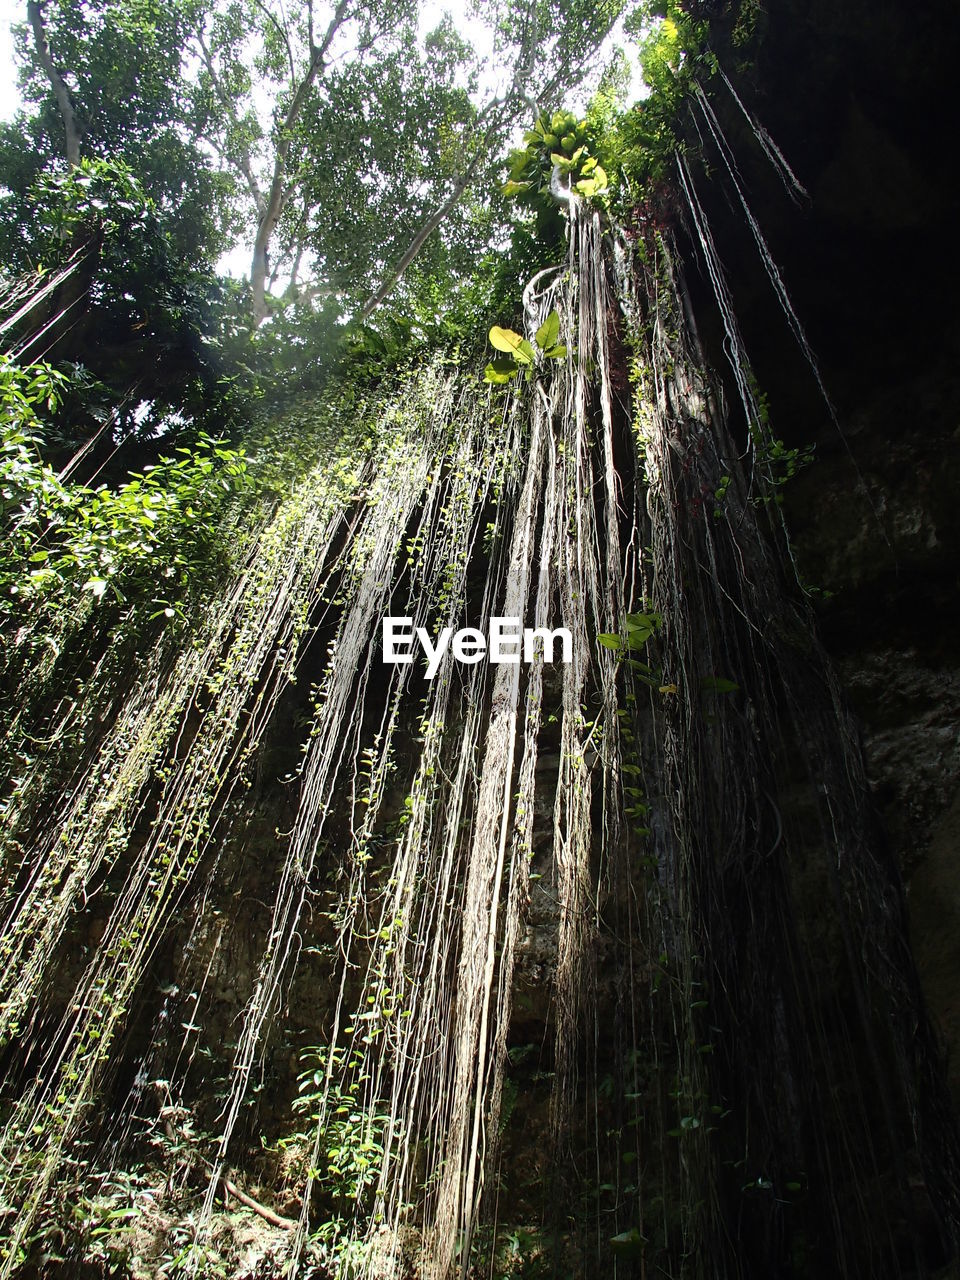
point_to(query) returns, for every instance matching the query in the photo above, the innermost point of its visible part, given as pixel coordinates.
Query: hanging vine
(672, 828)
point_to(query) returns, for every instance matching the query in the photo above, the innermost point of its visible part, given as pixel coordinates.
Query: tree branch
(416, 244)
(275, 201)
(57, 82)
(283, 35)
(494, 111)
(298, 296)
(268, 1215)
(242, 162)
(495, 108)
(313, 47)
(294, 270)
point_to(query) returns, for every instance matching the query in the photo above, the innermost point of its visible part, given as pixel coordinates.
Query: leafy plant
(776, 461)
(151, 537)
(351, 1148)
(138, 312)
(674, 53)
(781, 464)
(639, 628)
(559, 145)
(519, 354)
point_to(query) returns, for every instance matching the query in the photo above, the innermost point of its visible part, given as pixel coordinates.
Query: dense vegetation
(363, 162)
(310, 967)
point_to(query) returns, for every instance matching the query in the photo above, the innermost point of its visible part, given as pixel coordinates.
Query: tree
(345, 145)
(373, 140)
(353, 102)
(550, 46)
(106, 81)
(57, 83)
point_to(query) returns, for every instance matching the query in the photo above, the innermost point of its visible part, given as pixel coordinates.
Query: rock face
(859, 101)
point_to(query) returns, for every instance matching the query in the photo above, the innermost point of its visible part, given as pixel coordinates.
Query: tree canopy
(359, 155)
(340, 142)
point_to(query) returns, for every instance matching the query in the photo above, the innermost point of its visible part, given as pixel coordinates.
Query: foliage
(520, 354)
(132, 312)
(371, 125)
(152, 538)
(512, 1253)
(748, 26)
(351, 147)
(615, 153)
(776, 462)
(639, 630)
(781, 464)
(379, 154)
(124, 64)
(94, 202)
(558, 147)
(380, 149)
(96, 1223)
(674, 50)
(351, 1133)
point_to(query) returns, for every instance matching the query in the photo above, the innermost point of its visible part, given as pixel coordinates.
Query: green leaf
(636, 639)
(597, 182)
(508, 369)
(611, 642)
(717, 684)
(512, 188)
(648, 621)
(97, 586)
(556, 353)
(628, 1244)
(512, 343)
(549, 331)
(504, 339)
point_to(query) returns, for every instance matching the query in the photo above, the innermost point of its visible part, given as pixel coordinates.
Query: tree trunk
(275, 201)
(61, 92)
(258, 268)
